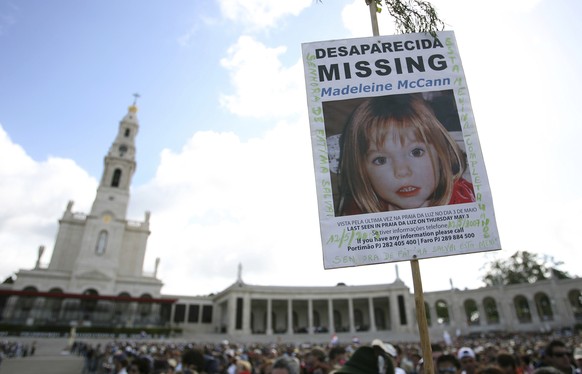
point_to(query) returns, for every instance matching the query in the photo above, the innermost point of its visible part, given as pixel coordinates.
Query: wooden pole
(418, 293)
(421, 318)
(373, 17)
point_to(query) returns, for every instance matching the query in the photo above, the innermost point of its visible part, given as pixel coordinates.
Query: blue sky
(224, 133)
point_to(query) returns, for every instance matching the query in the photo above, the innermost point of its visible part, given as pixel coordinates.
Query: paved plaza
(44, 365)
(50, 358)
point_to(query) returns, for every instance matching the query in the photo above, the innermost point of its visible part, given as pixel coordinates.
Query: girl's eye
(417, 152)
(380, 160)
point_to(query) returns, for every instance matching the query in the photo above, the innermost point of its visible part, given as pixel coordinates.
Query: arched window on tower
(101, 245)
(127, 132)
(116, 178)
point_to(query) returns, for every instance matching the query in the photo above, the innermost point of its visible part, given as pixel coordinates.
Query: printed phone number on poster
(450, 225)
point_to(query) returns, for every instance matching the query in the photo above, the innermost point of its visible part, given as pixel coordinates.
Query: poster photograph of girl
(396, 152)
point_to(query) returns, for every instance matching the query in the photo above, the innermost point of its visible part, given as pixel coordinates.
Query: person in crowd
(337, 357)
(315, 362)
(557, 355)
(578, 358)
(468, 360)
(398, 359)
(447, 364)
(120, 363)
(365, 361)
(285, 365)
(192, 362)
(139, 365)
(506, 363)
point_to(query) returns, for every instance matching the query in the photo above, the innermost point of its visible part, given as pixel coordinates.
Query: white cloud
(261, 13)
(264, 88)
(226, 202)
(32, 196)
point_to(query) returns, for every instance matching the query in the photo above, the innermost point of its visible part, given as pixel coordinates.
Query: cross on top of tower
(133, 107)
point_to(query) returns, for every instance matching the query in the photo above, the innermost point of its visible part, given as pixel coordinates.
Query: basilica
(95, 283)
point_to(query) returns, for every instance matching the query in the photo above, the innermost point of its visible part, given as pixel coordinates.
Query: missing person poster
(398, 164)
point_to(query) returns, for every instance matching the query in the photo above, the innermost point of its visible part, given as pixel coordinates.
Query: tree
(522, 267)
(9, 280)
(411, 15)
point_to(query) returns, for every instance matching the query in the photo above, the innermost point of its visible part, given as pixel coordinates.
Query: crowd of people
(492, 354)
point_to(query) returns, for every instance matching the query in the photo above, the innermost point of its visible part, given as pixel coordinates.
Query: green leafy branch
(411, 15)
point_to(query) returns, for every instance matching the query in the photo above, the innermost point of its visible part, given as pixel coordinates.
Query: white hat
(465, 352)
(386, 347)
(578, 353)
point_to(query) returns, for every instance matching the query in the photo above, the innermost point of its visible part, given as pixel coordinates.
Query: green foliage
(522, 267)
(412, 15)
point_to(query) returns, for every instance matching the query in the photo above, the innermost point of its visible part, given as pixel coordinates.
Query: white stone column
(351, 314)
(132, 313)
(269, 317)
(231, 308)
(310, 316)
(155, 314)
(428, 309)
(393, 315)
(246, 315)
(505, 308)
(290, 316)
(533, 310)
(481, 310)
(372, 315)
(330, 316)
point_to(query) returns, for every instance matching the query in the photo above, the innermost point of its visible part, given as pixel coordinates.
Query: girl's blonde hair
(370, 123)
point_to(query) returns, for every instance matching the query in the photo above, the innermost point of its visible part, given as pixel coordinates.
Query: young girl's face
(401, 172)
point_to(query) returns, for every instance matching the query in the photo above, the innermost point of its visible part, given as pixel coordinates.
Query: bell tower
(102, 250)
(119, 165)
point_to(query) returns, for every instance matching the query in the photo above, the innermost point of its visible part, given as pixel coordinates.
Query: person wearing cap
(468, 360)
(365, 361)
(386, 352)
